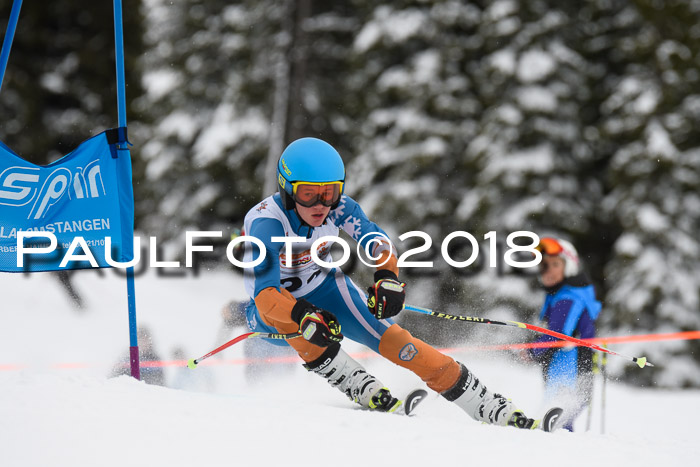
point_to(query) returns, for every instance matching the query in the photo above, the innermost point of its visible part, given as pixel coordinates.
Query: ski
(413, 399)
(551, 420)
(548, 423)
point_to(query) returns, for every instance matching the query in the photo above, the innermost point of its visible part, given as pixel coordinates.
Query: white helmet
(563, 249)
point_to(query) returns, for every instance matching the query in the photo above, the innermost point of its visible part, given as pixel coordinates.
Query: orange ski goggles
(310, 194)
(549, 246)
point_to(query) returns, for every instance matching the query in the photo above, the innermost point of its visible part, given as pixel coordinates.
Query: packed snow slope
(60, 407)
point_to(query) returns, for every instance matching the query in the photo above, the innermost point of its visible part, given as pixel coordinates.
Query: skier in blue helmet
(290, 292)
(310, 170)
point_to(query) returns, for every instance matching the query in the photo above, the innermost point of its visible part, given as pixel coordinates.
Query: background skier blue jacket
(571, 309)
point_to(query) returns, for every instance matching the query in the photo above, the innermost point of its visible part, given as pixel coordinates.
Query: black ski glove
(387, 295)
(320, 327)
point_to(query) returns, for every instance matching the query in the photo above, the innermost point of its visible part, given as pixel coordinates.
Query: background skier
(570, 307)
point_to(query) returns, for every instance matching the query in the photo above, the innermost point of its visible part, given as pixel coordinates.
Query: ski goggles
(310, 194)
(549, 246)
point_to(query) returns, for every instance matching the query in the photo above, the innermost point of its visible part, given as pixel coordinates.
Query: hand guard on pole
(387, 296)
(320, 327)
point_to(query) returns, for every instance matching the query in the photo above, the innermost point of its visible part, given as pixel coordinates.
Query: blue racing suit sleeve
(267, 273)
(353, 220)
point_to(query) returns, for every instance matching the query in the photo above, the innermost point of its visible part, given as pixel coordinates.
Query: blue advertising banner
(85, 199)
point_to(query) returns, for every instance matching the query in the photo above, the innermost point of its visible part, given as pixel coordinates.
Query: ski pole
(640, 361)
(193, 362)
(595, 370)
(604, 373)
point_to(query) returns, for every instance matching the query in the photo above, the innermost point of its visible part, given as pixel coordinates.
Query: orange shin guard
(306, 350)
(439, 371)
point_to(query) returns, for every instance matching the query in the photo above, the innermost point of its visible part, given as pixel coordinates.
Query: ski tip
(191, 364)
(552, 419)
(642, 362)
(413, 399)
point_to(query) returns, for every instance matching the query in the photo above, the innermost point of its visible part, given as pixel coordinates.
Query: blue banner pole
(121, 104)
(9, 36)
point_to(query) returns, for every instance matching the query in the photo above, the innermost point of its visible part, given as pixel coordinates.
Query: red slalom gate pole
(193, 362)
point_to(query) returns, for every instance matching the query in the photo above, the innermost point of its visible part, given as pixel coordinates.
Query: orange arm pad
(275, 308)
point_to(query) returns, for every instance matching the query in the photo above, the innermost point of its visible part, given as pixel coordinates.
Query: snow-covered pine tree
(535, 164)
(208, 93)
(416, 112)
(59, 86)
(649, 117)
(223, 77)
(472, 122)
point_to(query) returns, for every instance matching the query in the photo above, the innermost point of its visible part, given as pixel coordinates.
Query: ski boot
(344, 373)
(383, 401)
(519, 420)
(483, 405)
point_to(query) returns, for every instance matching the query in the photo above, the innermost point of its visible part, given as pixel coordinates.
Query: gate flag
(87, 193)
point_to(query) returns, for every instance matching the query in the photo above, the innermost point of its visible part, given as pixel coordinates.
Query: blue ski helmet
(308, 160)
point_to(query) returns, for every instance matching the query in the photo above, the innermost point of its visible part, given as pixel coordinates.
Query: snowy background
(574, 119)
(571, 119)
(59, 407)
